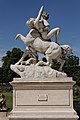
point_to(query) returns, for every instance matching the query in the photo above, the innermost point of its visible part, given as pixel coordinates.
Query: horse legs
(61, 61)
(22, 58)
(41, 63)
(29, 61)
(52, 52)
(28, 54)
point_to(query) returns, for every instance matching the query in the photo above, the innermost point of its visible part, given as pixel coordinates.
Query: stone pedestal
(3, 113)
(43, 99)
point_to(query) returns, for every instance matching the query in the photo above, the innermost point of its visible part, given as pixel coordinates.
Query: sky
(64, 14)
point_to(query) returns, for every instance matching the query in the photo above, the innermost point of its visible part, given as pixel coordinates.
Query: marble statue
(52, 50)
(39, 40)
(40, 23)
(28, 53)
(47, 93)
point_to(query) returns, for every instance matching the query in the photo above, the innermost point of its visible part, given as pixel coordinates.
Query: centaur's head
(30, 23)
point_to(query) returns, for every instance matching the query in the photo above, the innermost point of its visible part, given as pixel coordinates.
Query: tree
(11, 58)
(76, 77)
(69, 62)
(72, 60)
(1, 73)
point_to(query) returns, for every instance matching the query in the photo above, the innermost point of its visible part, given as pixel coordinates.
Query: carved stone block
(43, 99)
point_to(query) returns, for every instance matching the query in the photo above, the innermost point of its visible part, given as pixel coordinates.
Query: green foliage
(74, 72)
(76, 77)
(1, 75)
(9, 99)
(72, 61)
(11, 58)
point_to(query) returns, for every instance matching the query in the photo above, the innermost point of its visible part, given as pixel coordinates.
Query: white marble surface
(34, 71)
(46, 98)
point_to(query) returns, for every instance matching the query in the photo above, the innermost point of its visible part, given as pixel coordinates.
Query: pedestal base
(46, 115)
(3, 113)
(43, 99)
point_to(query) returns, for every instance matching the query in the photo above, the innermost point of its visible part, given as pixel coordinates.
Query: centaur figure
(38, 39)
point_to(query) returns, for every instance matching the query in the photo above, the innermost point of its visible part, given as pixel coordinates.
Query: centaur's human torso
(39, 44)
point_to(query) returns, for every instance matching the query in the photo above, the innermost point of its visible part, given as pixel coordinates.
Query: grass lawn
(9, 98)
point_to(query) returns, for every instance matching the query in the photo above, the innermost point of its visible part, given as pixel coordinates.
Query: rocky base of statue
(33, 71)
(42, 98)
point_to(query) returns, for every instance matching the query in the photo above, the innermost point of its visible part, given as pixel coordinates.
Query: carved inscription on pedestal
(42, 97)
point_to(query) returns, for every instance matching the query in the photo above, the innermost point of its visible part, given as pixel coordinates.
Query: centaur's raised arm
(40, 13)
(36, 22)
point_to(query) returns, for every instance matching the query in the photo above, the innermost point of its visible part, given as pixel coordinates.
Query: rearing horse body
(51, 50)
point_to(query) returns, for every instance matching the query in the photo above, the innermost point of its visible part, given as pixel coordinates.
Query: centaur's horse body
(52, 50)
